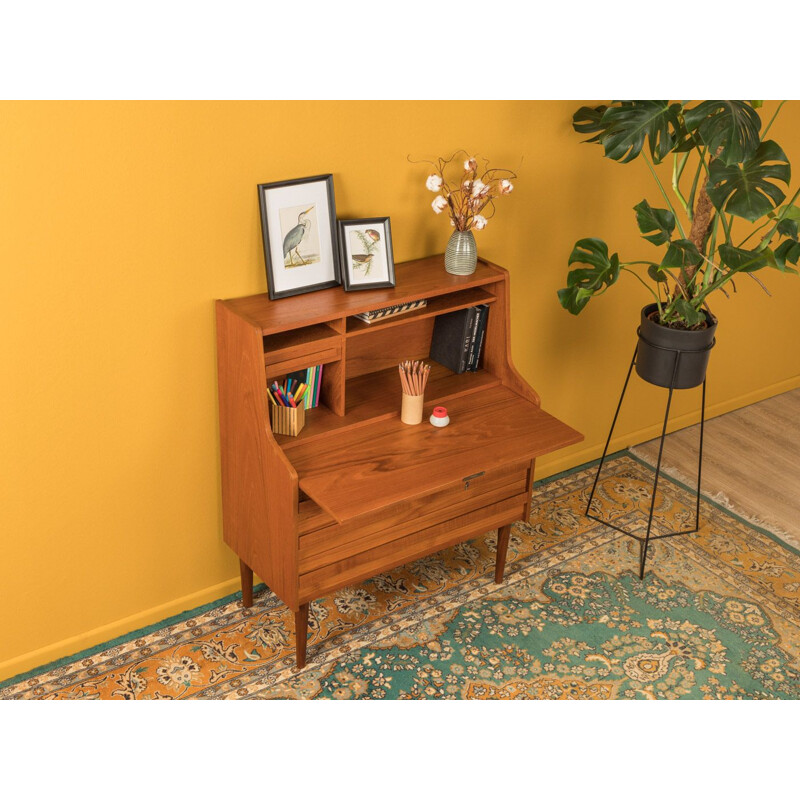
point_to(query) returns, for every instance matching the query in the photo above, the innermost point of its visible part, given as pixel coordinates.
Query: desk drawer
(368, 562)
(334, 542)
(300, 358)
(369, 530)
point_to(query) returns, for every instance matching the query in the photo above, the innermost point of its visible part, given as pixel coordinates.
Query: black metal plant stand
(644, 541)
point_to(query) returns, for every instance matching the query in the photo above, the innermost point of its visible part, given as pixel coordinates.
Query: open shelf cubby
(376, 395)
(436, 306)
(310, 335)
(360, 383)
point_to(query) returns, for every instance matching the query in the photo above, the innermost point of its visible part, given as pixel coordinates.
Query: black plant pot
(663, 349)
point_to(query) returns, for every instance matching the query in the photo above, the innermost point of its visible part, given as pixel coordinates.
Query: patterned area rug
(717, 616)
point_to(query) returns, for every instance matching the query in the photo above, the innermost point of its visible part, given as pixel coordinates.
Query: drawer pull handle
(471, 477)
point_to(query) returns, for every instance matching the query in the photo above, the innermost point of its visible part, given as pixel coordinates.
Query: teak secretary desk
(358, 492)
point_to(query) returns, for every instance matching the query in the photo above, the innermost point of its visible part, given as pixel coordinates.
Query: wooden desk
(358, 492)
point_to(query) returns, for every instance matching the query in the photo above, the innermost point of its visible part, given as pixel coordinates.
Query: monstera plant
(724, 167)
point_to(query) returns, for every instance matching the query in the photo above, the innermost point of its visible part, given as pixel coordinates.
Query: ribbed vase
(461, 255)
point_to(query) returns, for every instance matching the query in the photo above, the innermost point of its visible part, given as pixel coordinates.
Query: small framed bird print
(298, 224)
(365, 253)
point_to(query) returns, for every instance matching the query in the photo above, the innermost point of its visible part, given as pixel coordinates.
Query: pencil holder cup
(289, 421)
(411, 409)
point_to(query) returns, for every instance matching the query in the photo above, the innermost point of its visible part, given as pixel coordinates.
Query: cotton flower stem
(473, 194)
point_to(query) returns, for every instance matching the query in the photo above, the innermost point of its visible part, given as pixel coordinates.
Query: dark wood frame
(263, 188)
(344, 266)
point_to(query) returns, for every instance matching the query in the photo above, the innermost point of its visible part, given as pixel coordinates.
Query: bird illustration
(363, 261)
(295, 236)
(373, 234)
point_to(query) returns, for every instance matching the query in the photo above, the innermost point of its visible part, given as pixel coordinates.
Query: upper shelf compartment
(436, 305)
(300, 348)
(425, 277)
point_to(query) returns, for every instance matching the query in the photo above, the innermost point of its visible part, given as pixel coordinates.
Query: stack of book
(458, 338)
(390, 311)
(312, 377)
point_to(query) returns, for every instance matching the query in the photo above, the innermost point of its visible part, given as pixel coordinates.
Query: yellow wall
(121, 222)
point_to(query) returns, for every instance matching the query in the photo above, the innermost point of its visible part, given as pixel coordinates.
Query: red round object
(440, 411)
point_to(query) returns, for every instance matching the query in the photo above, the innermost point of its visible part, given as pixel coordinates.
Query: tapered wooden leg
(301, 634)
(247, 584)
(503, 535)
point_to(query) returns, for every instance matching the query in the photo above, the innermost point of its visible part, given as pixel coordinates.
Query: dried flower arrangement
(468, 195)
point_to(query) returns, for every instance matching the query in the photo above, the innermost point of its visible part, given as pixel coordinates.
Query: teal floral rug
(572, 635)
(717, 616)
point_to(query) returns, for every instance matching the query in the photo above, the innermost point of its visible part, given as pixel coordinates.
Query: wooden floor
(751, 459)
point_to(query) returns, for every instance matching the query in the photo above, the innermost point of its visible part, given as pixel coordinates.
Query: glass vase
(461, 255)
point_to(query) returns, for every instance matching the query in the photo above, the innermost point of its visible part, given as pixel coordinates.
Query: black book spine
(484, 313)
(473, 336)
(451, 339)
(467, 338)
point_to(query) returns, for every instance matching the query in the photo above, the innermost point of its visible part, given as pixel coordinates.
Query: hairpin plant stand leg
(644, 542)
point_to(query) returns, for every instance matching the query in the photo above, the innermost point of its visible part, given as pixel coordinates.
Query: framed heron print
(365, 251)
(298, 224)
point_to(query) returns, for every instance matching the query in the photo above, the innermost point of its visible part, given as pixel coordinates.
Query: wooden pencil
(413, 376)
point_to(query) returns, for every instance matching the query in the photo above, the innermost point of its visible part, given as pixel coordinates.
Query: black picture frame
(349, 268)
(279, 204)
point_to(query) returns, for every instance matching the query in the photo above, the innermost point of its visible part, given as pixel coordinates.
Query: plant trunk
(701, 228)
(701, 225)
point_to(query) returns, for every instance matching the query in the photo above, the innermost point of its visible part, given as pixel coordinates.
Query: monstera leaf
(623, 129)
(689, 313)
(657, 274)
(681, 254)
(739, 260)
(787, 251)
(745, 189)
(582, 284)
(787, 212)
(789, 224)
(654, 219)
(730, 128)
(588, 120)
(788, 227)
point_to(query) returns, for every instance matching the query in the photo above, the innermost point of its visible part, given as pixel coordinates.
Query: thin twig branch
(750, 274)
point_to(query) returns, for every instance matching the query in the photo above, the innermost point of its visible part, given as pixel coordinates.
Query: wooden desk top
(424, 277)
(370, 467)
